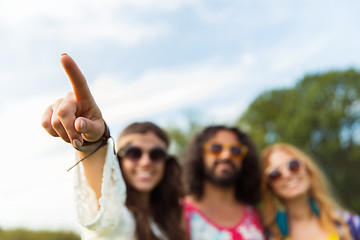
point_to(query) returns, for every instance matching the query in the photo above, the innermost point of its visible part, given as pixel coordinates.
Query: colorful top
(353, 222)
(200, 227)
(351, 219)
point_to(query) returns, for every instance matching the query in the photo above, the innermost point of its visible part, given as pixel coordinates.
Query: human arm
(77, 118)
(100, 191)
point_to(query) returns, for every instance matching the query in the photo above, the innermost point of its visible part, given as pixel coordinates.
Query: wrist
(93, 146)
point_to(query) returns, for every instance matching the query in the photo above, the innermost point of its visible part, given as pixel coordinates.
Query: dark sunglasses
(133, 153)
(235, 150)
(293, 166)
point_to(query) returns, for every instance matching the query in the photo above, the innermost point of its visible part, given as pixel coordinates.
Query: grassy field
(23, 234)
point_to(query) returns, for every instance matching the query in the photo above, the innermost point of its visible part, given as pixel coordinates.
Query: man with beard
(222, 177)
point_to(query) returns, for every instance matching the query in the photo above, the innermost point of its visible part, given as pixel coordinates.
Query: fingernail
(82, 125)
(76, 143)
(63, 54)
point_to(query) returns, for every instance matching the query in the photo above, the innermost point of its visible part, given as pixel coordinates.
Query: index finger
(77, 79)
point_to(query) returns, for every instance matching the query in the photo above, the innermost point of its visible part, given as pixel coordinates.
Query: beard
(226, 178)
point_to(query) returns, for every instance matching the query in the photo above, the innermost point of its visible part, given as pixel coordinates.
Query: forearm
(93, 168)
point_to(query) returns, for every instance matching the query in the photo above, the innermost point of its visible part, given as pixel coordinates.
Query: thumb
(91, 130)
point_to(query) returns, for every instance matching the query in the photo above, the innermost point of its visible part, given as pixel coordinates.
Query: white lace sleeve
(113, 220)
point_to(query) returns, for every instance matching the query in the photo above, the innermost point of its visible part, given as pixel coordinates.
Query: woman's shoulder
(348, 216)
(353, 222)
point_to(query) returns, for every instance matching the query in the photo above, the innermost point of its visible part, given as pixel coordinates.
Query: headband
(123, 141)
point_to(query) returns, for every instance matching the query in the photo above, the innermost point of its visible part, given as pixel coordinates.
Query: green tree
(321, 116)
(180, 137)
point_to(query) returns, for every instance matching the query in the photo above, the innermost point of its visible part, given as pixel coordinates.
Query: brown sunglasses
(293, 166)
(216, 149)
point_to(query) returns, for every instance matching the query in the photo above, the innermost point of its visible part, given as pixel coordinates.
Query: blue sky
(146, 60)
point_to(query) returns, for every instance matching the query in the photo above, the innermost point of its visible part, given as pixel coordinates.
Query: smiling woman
(152, 178)
(142, 159)
(151, 209)
(146, 206)
(292, 181)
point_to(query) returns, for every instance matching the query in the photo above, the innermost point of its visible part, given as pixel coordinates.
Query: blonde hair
(319, 191)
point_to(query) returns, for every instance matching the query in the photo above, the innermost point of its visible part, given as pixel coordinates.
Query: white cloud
(19, 11)
(76, 24)
(161, 90)
(36, 190)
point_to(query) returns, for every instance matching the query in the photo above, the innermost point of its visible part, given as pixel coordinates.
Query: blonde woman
(297, 204)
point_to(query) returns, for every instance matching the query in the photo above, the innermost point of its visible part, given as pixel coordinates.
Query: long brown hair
(164, 207)
(247, 186)
(319, 191)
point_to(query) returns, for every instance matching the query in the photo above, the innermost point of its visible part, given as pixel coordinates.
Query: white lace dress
(113, 221)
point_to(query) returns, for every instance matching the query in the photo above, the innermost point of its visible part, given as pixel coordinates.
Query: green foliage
(181, 137)
(23, 234)
(319, 115)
